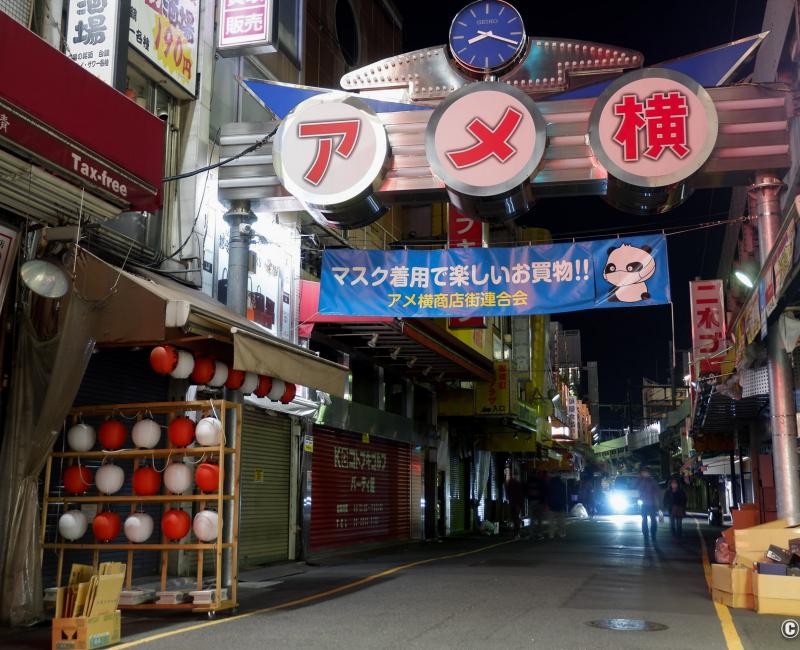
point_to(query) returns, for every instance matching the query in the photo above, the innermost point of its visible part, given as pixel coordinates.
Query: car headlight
(618, 502)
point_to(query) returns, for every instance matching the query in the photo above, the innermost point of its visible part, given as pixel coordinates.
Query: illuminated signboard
(247, 27)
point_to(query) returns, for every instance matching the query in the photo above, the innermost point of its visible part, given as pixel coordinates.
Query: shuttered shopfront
(457, 495)
(361, 491)
(264, 484)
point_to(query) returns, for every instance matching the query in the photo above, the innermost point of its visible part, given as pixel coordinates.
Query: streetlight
(743, 278)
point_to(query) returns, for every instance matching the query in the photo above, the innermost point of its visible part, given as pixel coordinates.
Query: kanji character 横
(497, 275)
(379, 275)
(420, 277)
(666, 115)
(440, 276)
(92, 32)
(541, 271)
(459, 276)
(425, 301)
(520, 274)
(340, 273)
(520, 299)
(504, 299)
(562, 269)
(630, 110)
(361, 272)
(709, 318)
(475, 280)
(441, 301)
(399, 276)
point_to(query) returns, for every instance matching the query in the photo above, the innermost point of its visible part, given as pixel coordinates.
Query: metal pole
(764, 203)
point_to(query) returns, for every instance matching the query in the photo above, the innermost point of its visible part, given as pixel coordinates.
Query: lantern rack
(221, 409)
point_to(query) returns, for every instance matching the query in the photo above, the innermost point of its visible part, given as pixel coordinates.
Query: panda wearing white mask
(627, 269)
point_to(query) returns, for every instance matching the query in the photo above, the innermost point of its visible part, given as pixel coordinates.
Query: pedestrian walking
(557, 505)
(536, 493)
(515, 495)
(675, 505)
(649, 495)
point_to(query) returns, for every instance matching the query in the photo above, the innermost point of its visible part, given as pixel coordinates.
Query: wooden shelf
(144, 453)
(211, 607)
(111, 546)
(156, 498)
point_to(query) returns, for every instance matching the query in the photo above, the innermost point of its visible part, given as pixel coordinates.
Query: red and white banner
(464, 232)
(709, 333)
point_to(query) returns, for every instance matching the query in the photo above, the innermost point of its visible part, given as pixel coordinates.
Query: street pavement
(488, 592)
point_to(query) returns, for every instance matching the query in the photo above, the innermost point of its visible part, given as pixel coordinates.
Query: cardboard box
(759, 538)
(777, 594)
(732, 580)
(739, 601)
(748, 560)
(86, 633)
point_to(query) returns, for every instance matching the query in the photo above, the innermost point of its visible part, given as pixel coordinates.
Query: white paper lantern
(205, 525)
(277, 390)
(185, 365)
(139, 527)
(250, 383)
(178, 478)
(72, 525)
(220, 375)
(146, 433)
(208, 432)
(109, 478)
(81, 437)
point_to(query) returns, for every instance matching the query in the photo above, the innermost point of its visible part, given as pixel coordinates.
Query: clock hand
(499, 38)
(480, 37)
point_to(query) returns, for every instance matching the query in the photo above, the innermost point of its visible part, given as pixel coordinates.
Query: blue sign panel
(462, 282)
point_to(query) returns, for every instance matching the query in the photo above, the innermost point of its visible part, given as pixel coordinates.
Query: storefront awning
(145, 308)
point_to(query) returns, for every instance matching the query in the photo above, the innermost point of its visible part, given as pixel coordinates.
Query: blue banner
(461, 282)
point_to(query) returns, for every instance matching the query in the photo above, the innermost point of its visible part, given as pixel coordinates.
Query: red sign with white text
(463, 232)
(708, 326)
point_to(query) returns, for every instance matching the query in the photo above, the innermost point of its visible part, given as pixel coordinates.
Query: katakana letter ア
(709, 318)
(361, 271)
(666, 124)
(562, 269)
(630, 110)
(498, 275)
(92, 6)
(541, 271)
(440, 276)
(380, 275)
(520, 274)
(92, 32)
(713, 345)
(459, 276)
(340, 273)
(420, 277)
(395, 299)
(475, 280)
(399, 276)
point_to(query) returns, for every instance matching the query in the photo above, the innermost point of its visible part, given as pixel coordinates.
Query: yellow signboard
(494, 397)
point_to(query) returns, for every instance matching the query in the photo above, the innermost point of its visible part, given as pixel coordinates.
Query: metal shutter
(264, 485)
(456, 494)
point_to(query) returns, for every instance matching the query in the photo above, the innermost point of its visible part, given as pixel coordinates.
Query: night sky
(627, 343)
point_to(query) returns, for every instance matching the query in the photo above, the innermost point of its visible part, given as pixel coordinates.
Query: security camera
(163, 115)
(246, 229)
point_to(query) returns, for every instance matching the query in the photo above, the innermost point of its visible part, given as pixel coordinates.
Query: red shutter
(360, 491)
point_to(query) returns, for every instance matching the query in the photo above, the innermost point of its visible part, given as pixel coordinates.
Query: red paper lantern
(106, 526)
(181, 431)
(163, 359)
(203, 370)
(207, 477)
(176, 524)
(112, 434)
(289, 393)
(264, 386)
(146, 481)
(77, 479)
(235, 379)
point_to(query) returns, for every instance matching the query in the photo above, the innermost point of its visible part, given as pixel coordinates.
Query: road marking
(732, 639)
(305, 599)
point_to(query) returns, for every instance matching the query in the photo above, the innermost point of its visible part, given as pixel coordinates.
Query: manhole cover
(628, 625)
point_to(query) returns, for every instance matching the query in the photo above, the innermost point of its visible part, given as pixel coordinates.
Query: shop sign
(247, 27)
(165, 32)
(752, 318)
(494, 397)
(330, 150)
(8, 251)
(783, 259)
(464, 232)
(485, 139)
(512, 281)
(92, 36)
(708, 325)
(653, 128)
(740, 341)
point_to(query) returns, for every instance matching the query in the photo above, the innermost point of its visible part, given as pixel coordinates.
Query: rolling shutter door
(457, 500)
(264, 485)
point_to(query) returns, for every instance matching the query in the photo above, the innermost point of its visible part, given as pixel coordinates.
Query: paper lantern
(277, 390)
(175, 524)
(184, 366)
(106, 526)
(264, 386)
(77, 479)
(139, 527)
(178, 478)
(220, 375)
(289, 394)
(146, 433)
(208, 432)
(146, 481)
(235, 379)
(203, 370)
(81, 437)
(249, 384)
(181, 431)
(112, 434)
(205, 525)
(72, 525)
(207, 477)
(163, 359)
(109, 478)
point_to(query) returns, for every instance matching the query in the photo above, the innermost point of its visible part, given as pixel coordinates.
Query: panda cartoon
(627, 269)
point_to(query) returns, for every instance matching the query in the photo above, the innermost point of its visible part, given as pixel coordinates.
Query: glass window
(347, 31)
(289, 28)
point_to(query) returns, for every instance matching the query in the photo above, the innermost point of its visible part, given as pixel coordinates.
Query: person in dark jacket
(515, 495)
(675, 504)
(536, 493)
(649, 494)
(557, 504)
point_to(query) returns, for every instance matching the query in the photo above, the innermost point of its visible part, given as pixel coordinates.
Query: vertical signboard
(247, 26)
(8, 251)
(94, 39)
(708, 326)
(464, 232)
(494, 397)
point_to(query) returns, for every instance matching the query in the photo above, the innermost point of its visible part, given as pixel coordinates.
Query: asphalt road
(518, 594)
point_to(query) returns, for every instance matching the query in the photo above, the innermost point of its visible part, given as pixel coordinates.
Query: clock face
(487, 36)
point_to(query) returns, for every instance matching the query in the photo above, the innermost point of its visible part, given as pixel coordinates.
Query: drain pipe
(240, 218)
(764, 203)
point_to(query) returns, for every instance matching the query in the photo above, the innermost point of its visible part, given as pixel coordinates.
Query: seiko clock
(487, 36)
